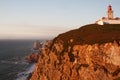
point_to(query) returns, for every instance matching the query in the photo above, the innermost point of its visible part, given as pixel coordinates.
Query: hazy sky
(48, 18)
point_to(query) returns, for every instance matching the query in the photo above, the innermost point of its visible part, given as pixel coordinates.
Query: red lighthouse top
(109, 8)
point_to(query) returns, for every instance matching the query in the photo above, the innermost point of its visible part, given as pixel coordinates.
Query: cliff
(91, 52)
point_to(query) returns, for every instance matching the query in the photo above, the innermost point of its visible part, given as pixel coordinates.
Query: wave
(15, 60)
(9, 62)
(26, 74)
(12, 62)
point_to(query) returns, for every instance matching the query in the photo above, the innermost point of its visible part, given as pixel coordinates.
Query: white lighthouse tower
(109, 19)
(109, 12)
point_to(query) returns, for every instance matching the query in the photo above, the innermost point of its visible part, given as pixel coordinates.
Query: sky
(38, 19)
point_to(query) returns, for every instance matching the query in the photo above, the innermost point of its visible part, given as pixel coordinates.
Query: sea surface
(12, 58)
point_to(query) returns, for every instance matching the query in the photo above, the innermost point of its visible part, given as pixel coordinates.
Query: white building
(109, 19)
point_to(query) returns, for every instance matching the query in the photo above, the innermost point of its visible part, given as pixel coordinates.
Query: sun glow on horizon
(29, 32)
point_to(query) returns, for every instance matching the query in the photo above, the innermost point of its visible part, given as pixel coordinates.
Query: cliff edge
(91, 52)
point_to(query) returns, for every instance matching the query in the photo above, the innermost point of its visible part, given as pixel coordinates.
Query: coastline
(25, 75)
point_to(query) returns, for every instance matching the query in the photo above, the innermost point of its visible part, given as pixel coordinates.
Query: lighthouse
(109, 19)
(109, 12)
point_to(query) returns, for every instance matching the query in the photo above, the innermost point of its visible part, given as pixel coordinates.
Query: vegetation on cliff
(91, 34)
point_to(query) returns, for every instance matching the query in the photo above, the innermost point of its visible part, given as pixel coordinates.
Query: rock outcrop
(81, 55)
(36, 45)
(32, 58)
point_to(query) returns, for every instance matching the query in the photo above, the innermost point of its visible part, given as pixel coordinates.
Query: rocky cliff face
(66, 59)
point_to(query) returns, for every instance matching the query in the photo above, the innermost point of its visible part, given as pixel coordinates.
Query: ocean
(12, 58)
